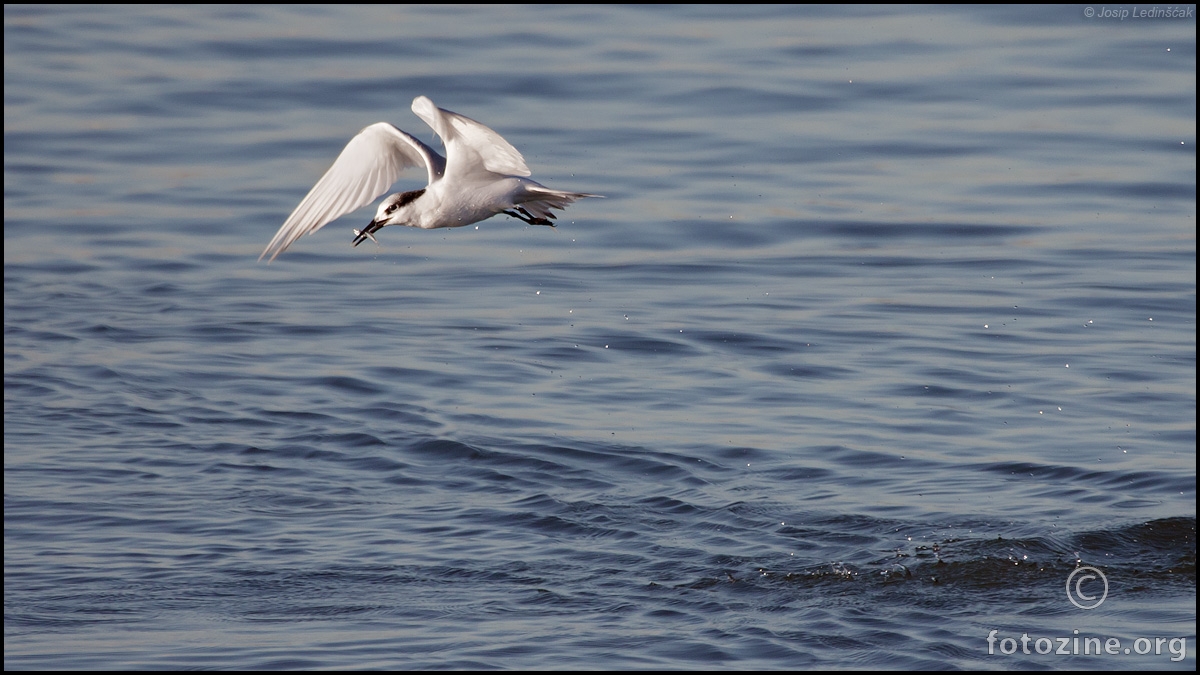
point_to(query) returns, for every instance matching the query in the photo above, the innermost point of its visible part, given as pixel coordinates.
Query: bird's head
(397, 209)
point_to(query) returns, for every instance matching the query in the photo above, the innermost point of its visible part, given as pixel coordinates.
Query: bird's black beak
(368, 233)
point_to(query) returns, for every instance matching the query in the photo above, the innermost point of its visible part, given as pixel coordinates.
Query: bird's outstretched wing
(470, 146)
(370, 163)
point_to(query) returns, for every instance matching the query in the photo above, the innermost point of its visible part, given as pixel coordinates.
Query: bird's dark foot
(529, 217)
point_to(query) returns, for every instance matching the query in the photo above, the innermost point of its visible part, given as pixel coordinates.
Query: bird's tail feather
(539, 199)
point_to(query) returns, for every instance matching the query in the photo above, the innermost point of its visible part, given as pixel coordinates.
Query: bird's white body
(448, 203)
(482, 175)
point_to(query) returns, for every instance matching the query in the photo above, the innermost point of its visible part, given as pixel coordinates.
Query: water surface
(887, 325)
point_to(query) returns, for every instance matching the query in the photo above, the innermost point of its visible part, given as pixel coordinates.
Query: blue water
(886, 326)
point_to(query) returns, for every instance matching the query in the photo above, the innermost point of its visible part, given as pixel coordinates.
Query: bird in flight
(482, 175)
